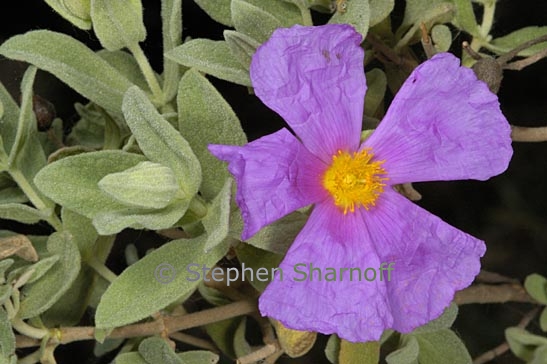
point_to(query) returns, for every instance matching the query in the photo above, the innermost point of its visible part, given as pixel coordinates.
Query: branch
(523, 134)
(169, 324)
(488, 293)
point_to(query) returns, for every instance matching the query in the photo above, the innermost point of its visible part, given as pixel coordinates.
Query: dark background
(508, 211)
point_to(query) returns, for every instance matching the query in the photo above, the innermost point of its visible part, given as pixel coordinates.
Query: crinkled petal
(432, 259)
(355, 310)
(444, 124)
(313, 77)
(275, 175)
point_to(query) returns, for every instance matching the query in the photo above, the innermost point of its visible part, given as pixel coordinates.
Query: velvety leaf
(212, 57)
(543, 320)
(206, 118)
(118, 24)
(12, 194)
(42, 294)
(285, 12)
(278, 236)
(442, 37)
(357, 14)
(255, 259)
(212, 295)
(38, 269)
(9, 119)
(198, 357)
(444, 321)
(465, 17)
(5, 292)
(155, 350)
(107, 346)
(75, 11)
(5, 263)
(126, 65)
(19, 245)
(171, 22)
(72, 62)
(89, 131)
(242, 46)
(436, 346)
(407, 352)
(222, 333)
(7, 338)
(72, 182)
(218, 10)
(21, 213)
(295, 343)
(436, 12)
(536, 286)
(332, 349)
(130, 358)
(522, 343)
(216, 222)
(414, 10)
(162, 143)
(241, 346)
(139, 292)
(253, 21)
(82, 230)
(364, 353)
(512, 40)
(379, 10)
(377, 84)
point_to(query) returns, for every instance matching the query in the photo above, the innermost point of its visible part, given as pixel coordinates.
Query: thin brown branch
(485, 276)
(382, 49)
(427, 45)
(488, 293)
(503, 59)
(518, 65)
(194, 341)
(260, 354)
(169, 324)
(504, 347)
(524, 134)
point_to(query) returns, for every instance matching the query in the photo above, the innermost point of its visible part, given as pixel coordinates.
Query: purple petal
(443, 124)
(355, 310)
(313, 77)
(275, 175)
(432, 259)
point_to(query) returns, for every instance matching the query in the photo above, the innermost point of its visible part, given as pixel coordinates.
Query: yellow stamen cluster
(353, 180)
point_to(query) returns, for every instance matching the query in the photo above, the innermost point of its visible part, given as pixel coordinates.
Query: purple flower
(443, 124)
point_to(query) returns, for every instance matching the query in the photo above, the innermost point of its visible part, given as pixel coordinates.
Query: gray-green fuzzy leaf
(216, 222)
(211, 57)
(536, 286)
(377, 84)
(126, 65)
(7, 338)
(171, 22)
(356, 14)
(508, 42)
(444, 321)
(82, 231)
(9, 119)
(407, 352)
(435, 347)
(21, 213)
(75, 11)
(278, 236)
(137, 293)
(242, 46)
(206, 118)
(288, 14)
(118, 24)
(442, 37)
(379, 10)
(42, 294)
(199, 357)
(155, 350)
(218, 10)
(465, 17)
(255, 259)
(253, 21)
(72, 62)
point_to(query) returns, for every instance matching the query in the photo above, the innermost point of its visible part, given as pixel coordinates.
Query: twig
(170, 324)
(503, 347)
(393, 57)
(518, 65)
(492, 277)
(505, 58)
(427, 45)
(487, 293)
(523, 134)
(194, 341)
(260, 354)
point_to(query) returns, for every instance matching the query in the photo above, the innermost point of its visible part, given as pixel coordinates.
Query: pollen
(354, 180)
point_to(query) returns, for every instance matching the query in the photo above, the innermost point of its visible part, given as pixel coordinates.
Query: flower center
(353, 180)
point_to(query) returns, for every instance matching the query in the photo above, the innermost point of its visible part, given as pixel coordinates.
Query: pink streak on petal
(432, 259)
(313, 77)
(275, 175)
(356, 311)
(443, 124)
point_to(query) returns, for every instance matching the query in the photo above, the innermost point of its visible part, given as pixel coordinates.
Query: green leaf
(465, 17)
(7, 338)
(356, 14)
(106, 347)
(253, 21)
(332, 349)
(255, 259)
(543, 319)
(126, 65)
(444, 321)
(522, 343)
(436, 346)
(288, 14)
(118, 24)
(241, 346)
(171, 22)
(199, 357)
(5, 292)
(162, 143)
(82, 230)
(72, 62)
(12, 195)
(379, 10)
(130, 358)
(75, 11)
(536, 286)
(21, 213)
(147, 185)
(5, 263)
(423, 11)
(278, 236)
(212, 57)
(218, 10)
(222, 333)
(9, 119)
(407, 352)
(89, 131)
(442, 37)
(216, 222)
(38, 269)
(42, 294)
(155, 350)
(139, 292)
(72, 182)
(242, 46)
(512, 40)
(206, 118)
(377, 84)
(540, 355)
(415, 10)
(363, 353)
